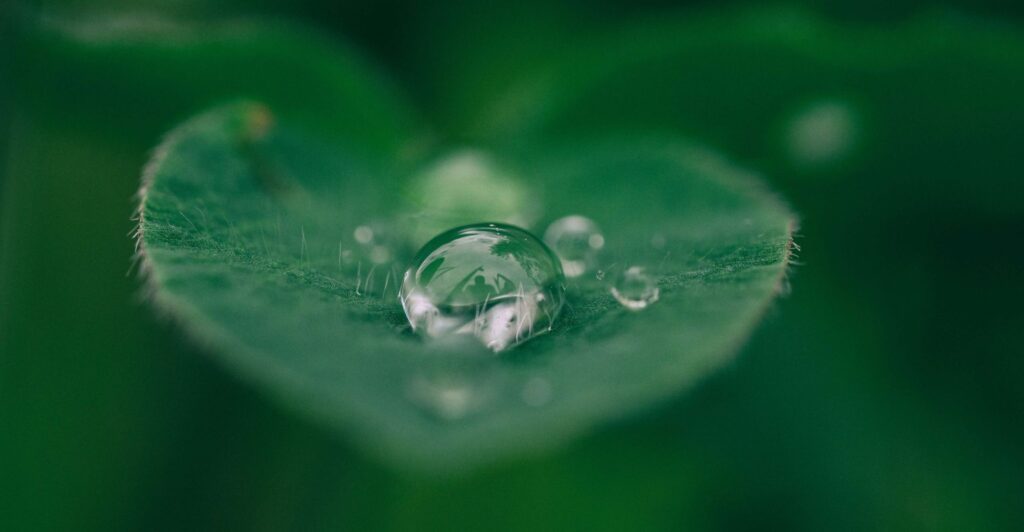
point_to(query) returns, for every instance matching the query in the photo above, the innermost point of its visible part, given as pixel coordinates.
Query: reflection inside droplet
(494, 282)
(635, 289)
(576, 240)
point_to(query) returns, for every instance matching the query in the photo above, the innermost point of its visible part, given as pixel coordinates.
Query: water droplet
(576, 239)
(635, 289)
(495, 282)
(448, 398)
(380, 254)
(377, 243)
(822, 133)
(536, 391)
(599, 275)
(363, 234)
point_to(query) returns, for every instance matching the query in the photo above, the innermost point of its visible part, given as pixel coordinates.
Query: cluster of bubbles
(370, 255)
(494, 285)
(453, 395)
(503, 286)
(375, 249)
(577, 240)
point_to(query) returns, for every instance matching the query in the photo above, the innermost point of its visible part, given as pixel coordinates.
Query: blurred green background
(884, 392)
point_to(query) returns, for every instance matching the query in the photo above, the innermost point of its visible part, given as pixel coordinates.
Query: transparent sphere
(577, 240)
(635, 289)
(495, 282)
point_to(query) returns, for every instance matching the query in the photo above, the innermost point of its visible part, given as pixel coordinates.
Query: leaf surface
(248, 235)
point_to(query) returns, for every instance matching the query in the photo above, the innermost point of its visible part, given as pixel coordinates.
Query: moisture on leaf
(283, 253)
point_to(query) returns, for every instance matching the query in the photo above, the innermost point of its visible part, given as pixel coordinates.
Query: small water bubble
(344, 256)
(536, 392)
(576, 240)
(380, 254)
(495, 282)
(635, 289)
(363, 234)
(376, 242)
(445, 397)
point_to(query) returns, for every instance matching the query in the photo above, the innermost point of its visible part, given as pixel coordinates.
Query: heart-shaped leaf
(256, 236)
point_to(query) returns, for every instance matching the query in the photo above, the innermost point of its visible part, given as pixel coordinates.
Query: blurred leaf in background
(883, 393)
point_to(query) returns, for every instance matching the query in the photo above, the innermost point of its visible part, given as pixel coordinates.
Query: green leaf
(247, 237)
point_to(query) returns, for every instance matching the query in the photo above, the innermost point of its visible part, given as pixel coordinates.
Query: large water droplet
(635, 289)
(495, 282)
(576, 239)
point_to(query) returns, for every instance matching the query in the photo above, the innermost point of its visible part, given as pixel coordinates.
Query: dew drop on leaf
(376, 243)
(445, 397)
(363, 234)
(576, 240)
(494, 282)
(635, 289)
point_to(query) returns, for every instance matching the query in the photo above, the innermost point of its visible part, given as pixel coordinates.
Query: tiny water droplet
(599, 275)
(363, 234)
(576, 240)
(635, 289)
(380, 254)
(446, 398)
(495, 282)
(536, 391)
(376, 243)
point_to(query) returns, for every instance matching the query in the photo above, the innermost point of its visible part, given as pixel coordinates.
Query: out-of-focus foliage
(882, 393)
